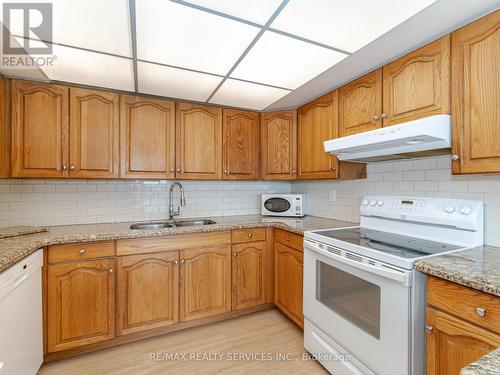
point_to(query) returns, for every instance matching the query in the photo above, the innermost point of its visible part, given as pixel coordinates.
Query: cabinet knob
(176, 262)
(64, 167)
(234, 254)
(71, 167)
(383, 115)
(455, 157)
(172, 170)
(480, 311)
(178, 169)
(429, 328)
(294, 171)
(250, 235)
(82, 251)
(110, 270)
(375, 118)
(182, 260)
(225, 171)
(287, 238)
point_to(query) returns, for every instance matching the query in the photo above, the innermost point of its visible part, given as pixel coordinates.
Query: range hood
(423, 137)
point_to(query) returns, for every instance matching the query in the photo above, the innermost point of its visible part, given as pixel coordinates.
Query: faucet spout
(171, 212)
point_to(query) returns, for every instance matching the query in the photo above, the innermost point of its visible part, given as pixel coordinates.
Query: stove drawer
(476, 307)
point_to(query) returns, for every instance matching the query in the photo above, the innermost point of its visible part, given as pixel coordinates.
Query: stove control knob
(380, 203)
(365, 202)
(449, 209)
(373, 202)
(465, 210)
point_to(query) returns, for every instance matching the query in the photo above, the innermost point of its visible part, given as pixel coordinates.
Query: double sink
(171, 224)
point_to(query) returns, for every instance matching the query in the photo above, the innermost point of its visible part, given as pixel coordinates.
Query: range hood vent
(423, 137)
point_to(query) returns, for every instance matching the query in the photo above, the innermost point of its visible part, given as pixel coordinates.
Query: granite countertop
(487, 365)
(13, 249)
(20, 231)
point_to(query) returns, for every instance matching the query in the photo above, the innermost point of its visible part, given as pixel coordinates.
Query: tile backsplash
(61, 202)
(419, 177)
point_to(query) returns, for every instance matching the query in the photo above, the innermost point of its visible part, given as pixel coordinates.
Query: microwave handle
(399, 276)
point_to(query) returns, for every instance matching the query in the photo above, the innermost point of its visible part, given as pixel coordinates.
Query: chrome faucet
(171, 212)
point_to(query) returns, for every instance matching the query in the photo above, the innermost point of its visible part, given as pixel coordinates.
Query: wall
(418, 177)
(61, 202)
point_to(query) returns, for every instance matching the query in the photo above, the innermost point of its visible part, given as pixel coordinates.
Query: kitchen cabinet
(475, 80)
(249, 275)
(360, 104)
(288, 281)
(94, 134)
(5, 125)
(147, 291)
(240, 145)
(205, 288)
(147, 137)
(279, 145)
(80, 303)
(417, 84)
(199, 142)
(40, 126)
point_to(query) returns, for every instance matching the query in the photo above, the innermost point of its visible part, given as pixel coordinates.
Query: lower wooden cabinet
(248, 274)
(288, 282)
(205, 282)
(80, 303)
(147, 291)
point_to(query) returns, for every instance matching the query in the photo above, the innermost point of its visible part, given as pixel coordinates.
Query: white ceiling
(254, 54)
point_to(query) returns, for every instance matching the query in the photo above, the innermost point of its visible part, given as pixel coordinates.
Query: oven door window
(354, 299)
(277, 205)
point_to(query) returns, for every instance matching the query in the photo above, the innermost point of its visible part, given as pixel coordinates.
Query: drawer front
(476, 307)
(80, 251)
(248, 235)
(289, 239)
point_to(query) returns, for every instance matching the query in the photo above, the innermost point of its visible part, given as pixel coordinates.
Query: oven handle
(399, 276)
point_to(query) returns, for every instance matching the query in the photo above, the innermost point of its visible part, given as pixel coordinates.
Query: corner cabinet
(279, 145)
(40, 127)
(199, 142)
(240, 159)
(147, 137)
(475, 51)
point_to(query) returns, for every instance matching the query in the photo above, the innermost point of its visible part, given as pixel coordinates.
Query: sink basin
(191, 223)
(152, 225)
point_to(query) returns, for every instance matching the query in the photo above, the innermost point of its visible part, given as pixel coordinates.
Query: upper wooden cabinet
(475, 85)
(93, 129)
(360, 104)
(199, 142)
(279, 145)
(147, 137)
(5, 125)
(40, 127)
(418, 84)
(240, 145)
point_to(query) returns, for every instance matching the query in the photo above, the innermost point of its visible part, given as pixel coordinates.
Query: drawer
(289, 239)
(248, 235)
(80, 251)
(464, 303)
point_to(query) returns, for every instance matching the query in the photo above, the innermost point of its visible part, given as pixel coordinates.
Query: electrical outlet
(332, 196)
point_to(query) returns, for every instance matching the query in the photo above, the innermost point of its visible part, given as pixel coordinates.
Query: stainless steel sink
(171, 224)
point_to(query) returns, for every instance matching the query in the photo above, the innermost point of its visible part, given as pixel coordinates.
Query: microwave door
(277, 205)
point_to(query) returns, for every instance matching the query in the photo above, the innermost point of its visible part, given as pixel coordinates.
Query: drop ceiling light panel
(178, 35)
(246, 95)
(345, 24)
(285, 62)
(93, 24)
(175, 83)
(258, 11)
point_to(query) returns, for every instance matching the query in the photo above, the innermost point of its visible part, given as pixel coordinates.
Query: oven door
(365, 308)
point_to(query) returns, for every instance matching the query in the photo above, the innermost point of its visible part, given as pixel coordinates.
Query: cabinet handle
(71, 167)
(480, 311)
(176, 262)
(429, 328)
(235, 255)
(64, 167)
(110, 270)
(250, 235)
(172, 170)
(375, 118)
(182, 260)
(455, 157)
(82, 251)
(294, 171)
(178, 169)
(225, 171)
(383, 115)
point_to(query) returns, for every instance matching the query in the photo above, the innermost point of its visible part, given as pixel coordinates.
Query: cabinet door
(279, 145)
(317, 123)
(94, 129)
(360, 104)
(148, 291)
(240, 145)
(205, 282)
(475, 75)
(199, 142)
(39, 130)
(80, 303)
(288, 285)
(418, 84)
(453, 343)
(249, 280)
(147, 137)
(5, 138)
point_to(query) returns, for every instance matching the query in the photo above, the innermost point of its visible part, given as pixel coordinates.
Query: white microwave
(292, 205)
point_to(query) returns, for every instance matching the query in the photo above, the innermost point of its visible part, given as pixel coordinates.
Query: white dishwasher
(21, 341)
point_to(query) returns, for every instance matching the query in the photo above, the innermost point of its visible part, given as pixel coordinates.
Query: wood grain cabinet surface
(40, 127)
(279, 145)
(475, 86)
(5, 126)
(80, 304)
(241, 156)
(199, 142)
(147, 137)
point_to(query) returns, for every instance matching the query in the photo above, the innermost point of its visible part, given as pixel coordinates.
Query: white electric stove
(364, 303)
